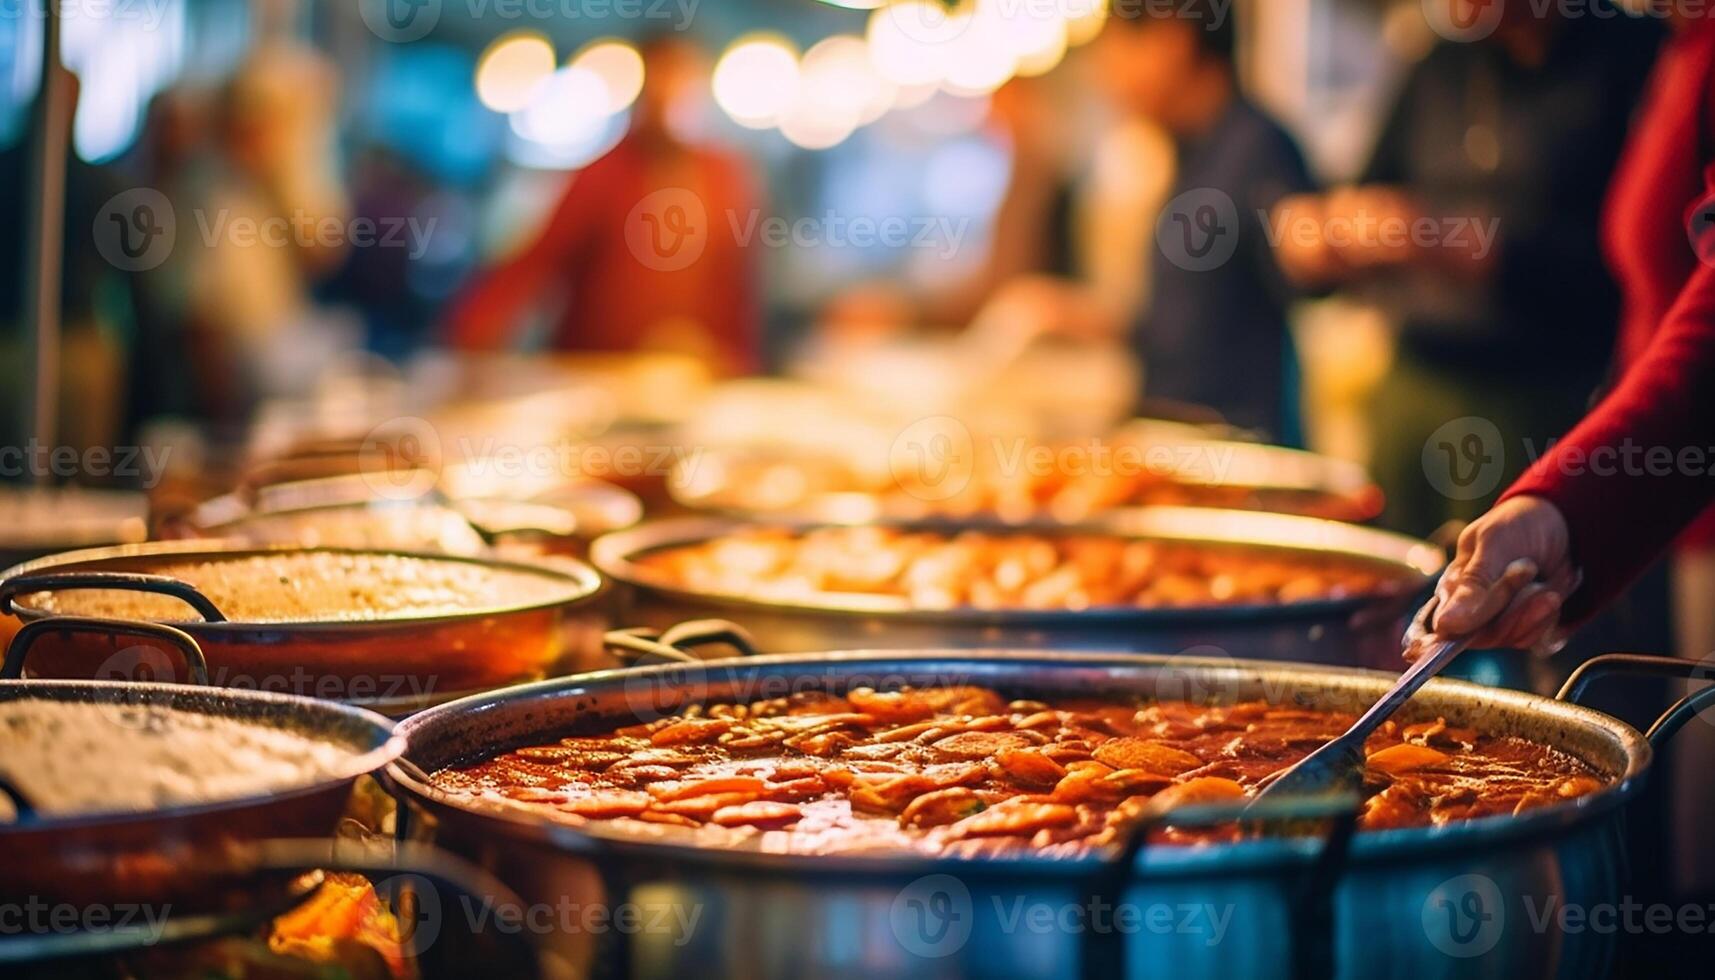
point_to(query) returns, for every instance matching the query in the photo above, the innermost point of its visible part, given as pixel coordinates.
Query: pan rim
(389, 745)
(614, 556)
(1367, 847)
(583, 583)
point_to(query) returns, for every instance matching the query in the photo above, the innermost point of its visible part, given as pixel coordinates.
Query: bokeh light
(566, 123)
(810, 129)
(757, 80)
(1038, 42)
(512, 69)
(619, 66)
(1084, 19)
(839, 78)
(908, 40)
(982, 56)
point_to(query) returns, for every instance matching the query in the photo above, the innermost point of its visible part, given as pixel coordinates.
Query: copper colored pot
(392, 664)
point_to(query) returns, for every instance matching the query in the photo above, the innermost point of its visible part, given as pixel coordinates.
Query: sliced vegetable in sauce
(963, 770)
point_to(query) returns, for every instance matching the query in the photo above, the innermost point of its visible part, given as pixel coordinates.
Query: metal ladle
(1337, 767)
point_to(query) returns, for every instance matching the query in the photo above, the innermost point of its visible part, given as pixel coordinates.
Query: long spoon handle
(1444, 652)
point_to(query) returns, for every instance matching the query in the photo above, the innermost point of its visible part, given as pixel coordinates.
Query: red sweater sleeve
(1634, 473)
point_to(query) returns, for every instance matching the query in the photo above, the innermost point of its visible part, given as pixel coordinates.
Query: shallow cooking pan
(1319, 904)
(454, 513)
(65, 846)
(1356, 629)
(88, 880)
(540, 620)
(1146, 465)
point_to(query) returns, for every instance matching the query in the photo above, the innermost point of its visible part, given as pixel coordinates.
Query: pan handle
(22, 808)
(195, 662)
(640, 645)
(1639, 665)
(165, 585)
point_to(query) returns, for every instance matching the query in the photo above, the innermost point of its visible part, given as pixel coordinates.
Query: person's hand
(1372, 227)
(1509, 578)
(1328, 239)
(1301, 248)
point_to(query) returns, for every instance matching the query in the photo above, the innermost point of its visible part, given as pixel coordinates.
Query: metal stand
(50, 127)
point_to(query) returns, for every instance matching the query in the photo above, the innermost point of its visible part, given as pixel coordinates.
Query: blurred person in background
(1215, 331)
(171, 350)
(1032, 232)
(377, 282)
(252, 179)
(643, 251)
(1632, 480)
(1503, 149)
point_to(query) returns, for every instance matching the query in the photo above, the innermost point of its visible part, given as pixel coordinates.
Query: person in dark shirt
(1215, 329)
(1501, 150)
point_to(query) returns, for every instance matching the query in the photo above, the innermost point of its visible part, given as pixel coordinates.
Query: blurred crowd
(1152, 207)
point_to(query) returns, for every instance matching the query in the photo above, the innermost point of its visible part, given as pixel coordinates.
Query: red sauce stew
(963, 770)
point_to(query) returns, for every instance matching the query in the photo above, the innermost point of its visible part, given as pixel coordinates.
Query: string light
(910, 50)
(757, 80)
(510, 71)
(619, 66)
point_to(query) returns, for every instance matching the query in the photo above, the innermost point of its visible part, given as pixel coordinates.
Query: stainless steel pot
(394, 665)
(1355, 631)
(1459, 900)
